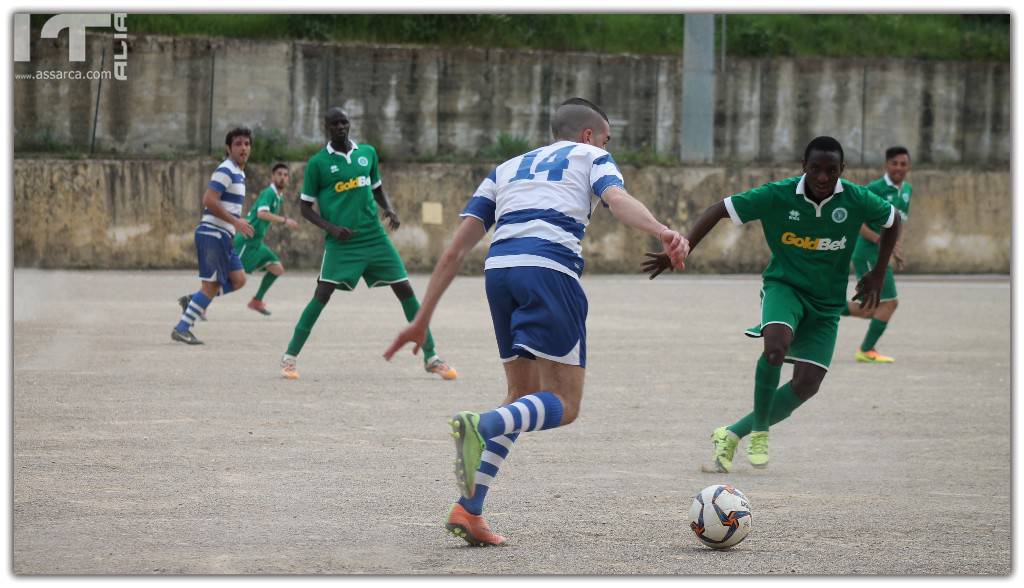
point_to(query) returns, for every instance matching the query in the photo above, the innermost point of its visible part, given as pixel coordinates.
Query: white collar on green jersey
(817, 206)
(273, 187)
(889, 182)
(348, 155)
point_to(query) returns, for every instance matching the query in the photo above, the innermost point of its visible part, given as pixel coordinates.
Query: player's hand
(340, 233)
(415, 333)
(869, 289)
(290, 223)
(392, 217)
(244, 227)
(897, 256)
(675, 246)
(657, 263)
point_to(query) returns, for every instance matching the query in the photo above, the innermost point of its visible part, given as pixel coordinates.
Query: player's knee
(570, 410)
(805, 389)
(403, 290)
(323, 292)
(775, 354)
(238, 281)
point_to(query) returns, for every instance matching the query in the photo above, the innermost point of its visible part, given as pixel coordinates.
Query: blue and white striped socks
(490, 461)
(196, 306)
(534, 412)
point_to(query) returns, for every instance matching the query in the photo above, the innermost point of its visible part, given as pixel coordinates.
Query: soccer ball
(720, 516)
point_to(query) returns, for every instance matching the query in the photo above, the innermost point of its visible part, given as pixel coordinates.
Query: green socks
(784, 402)
(306, 322)
(875, 330)
(766, 380)
(410, 306)
(268, 279)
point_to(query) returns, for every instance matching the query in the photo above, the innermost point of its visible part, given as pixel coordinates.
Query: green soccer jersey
(899, 197)
(268, 200)
(811, 244)
(342, 185)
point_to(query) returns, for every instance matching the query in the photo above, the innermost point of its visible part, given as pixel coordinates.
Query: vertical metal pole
(96, 114)
(213, 71)
(698, 121)
(723, 45)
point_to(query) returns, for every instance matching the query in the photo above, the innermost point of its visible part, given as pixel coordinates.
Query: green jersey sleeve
(374, 172)
(750, 205)
(311, 182)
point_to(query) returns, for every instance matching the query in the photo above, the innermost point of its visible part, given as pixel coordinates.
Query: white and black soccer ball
(720, 516)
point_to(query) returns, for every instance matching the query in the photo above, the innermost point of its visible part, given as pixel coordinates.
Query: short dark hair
(894, 151)
(574, 115)
(278, 166)
(237, 132)
(824, 143)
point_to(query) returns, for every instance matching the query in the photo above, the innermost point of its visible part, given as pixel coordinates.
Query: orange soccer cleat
(473, 528)
(872, 356)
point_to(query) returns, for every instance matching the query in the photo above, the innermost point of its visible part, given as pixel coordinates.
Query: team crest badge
(334, 169)
(794, 215)
(363, 161)
(839, 215)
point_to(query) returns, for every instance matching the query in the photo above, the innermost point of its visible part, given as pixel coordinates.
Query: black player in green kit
(810, 223)
(343, 179)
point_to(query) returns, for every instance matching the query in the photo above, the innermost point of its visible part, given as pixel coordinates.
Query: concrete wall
(140, 214)
(182, 94)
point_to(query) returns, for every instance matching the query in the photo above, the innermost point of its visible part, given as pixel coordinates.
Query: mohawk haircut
(574, 115)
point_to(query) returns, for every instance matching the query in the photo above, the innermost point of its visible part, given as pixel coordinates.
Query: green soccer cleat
(725, 446)
(757, 449)
(469, 445)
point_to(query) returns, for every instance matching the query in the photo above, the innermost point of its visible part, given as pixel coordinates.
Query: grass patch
(908, 36)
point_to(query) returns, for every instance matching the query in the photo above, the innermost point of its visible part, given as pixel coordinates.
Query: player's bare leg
(526, 379)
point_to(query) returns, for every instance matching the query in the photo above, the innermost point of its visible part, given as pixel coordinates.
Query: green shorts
(377, 262)
(255, 255)
(862, 265)
(814, 330)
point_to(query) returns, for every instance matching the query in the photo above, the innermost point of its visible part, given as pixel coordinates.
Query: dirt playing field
(133, 454)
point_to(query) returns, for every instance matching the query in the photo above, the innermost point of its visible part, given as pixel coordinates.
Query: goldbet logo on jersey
(356, 182)
(813, 244)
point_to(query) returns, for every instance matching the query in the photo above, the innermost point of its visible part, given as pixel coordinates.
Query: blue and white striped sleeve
(482, 204)
(604, 173)
(220, 180)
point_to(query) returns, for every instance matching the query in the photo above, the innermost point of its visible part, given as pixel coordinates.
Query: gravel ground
(136, 455)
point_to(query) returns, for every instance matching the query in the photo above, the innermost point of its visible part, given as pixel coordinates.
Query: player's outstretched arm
(633, 213)
(339, 233)
(276, 218)
(869, 288)
(211, 200)
(659, 262)
(469, 233)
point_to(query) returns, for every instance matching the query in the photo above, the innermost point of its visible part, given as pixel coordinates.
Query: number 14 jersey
(541, 204)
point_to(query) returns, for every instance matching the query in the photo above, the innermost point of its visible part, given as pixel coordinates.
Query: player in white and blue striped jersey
(220, 269)
(540, 204)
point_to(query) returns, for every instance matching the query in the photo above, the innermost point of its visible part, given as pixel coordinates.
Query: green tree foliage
(908, 36)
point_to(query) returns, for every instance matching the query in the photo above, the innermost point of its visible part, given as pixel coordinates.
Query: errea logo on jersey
(357, 182)
(820, 244)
